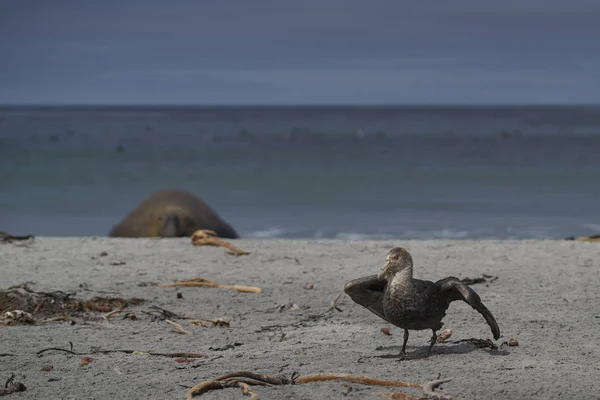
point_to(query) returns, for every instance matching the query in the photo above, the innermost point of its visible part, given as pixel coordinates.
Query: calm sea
(309, 172)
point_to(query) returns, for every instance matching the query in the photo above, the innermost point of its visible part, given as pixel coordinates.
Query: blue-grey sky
(291, 52)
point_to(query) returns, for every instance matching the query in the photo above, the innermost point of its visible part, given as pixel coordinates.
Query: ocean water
(309, 172)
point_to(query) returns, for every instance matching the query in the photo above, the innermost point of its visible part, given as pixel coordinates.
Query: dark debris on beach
(21, 305)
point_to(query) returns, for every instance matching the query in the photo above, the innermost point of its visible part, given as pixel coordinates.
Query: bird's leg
(403, 351)
(433, 340)
(400, 356)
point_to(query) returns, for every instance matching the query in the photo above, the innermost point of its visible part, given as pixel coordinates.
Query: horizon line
(293, 105)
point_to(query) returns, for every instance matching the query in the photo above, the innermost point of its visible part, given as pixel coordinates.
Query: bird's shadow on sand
(419, 353)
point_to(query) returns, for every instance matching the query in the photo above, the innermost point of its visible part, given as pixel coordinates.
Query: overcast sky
(290, 52)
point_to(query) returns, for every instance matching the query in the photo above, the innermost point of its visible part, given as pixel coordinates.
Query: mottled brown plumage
(412, 304)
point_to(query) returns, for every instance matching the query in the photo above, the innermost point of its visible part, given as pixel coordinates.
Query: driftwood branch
(245, 379)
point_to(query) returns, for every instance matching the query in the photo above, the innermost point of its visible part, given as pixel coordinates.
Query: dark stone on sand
(171, 213)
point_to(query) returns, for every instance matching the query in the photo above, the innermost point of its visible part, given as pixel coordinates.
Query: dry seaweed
(480, 343)
(205, 237)
(161, 313)
(166, 315)
(199, 282)
(6, 237)
(207, 322)
(54, 306)
(178, 328)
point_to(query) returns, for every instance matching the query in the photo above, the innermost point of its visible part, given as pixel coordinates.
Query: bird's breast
(403, 306)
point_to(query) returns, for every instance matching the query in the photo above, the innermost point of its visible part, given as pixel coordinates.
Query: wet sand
(545, 296)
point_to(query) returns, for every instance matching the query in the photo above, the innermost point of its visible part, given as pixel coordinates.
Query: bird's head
(397, 259)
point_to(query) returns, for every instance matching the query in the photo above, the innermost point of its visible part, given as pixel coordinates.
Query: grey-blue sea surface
(308, 172)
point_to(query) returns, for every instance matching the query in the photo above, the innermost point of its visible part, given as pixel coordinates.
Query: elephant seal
(171, 213)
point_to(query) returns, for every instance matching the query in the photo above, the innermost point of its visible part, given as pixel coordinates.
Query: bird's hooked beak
(384, 268)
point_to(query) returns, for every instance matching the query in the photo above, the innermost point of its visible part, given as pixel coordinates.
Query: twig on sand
(333, 305)
(205, 237)
(199, 282)
(210, 321)
(244, 379)
(163, 313)
(113, 312)
(167, 315)
(134, 352)
(178, 328)
(39, 353)
(70, 350)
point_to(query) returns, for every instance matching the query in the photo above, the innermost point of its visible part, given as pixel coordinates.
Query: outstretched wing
(368, 292)
(453, 289)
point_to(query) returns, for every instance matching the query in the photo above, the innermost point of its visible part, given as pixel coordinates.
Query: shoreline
(544, 297)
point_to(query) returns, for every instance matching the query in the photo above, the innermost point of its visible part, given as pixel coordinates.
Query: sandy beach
(546, 296)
